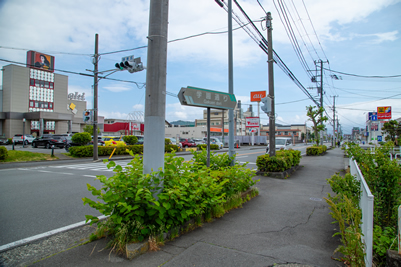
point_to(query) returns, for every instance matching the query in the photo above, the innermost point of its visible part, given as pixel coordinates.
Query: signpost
(384, 113)
(379, 138)
(204, 98)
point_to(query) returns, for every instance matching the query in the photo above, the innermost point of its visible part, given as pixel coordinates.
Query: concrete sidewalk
(288, 224)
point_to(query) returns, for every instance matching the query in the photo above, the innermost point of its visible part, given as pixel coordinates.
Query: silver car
(281, 143)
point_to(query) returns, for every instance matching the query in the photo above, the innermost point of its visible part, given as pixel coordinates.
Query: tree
(316, 116)
(392, 129)
(81, 138)
(89, 129)
(130, 139)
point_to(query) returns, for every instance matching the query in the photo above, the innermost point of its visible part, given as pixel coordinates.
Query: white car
(281, 143)
(19, 139)
(199, 141)
(215, 141)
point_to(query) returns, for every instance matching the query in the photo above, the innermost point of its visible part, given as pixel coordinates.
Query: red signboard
(251, 122)
(257, 96)
(383, 113)
(40, 61)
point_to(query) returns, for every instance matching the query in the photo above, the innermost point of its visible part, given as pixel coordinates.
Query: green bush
(217, 161)
(167, 141)
(284, 160)
(10, 140)
(189, 190)
(316, 150)
(130, 139)
(87, 151)
(3, 153)
(212, 147)
(81, 138)
(169, 147)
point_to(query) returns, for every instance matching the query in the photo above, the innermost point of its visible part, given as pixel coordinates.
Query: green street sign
(198, 97)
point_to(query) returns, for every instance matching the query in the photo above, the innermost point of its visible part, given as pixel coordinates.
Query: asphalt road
(37, 199)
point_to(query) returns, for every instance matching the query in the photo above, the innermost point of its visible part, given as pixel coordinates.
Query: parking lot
(36, 150)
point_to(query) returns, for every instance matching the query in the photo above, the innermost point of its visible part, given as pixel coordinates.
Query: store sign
(383, 113)
(251, 122)
(135, 126)
(374, 127)
(373, 116)
(76, 96)
(40, 61)
(257, 96)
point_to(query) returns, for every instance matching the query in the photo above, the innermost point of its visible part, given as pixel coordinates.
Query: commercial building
(35, 100)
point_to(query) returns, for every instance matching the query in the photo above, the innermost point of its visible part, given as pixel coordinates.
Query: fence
(366, 205)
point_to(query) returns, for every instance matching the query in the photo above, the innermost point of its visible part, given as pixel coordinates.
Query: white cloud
(177, 111)
(117, 88)
(113, 114)
(138, 107)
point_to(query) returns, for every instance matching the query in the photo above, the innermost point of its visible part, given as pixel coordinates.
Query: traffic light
(131, 66)
(87, 116)
(267, 104)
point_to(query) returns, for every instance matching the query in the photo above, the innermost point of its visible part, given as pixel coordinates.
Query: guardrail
(366, 205)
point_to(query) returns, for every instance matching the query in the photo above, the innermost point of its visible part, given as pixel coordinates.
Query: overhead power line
(365, 76)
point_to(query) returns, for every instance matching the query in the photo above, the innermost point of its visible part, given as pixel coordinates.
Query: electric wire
(366, 76)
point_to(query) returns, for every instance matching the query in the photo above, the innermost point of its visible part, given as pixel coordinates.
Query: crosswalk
(92, 166)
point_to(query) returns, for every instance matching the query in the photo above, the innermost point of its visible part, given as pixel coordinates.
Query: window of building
(31, 104)
(294, 133)
(51, 85)
(285, 133)
(32, 82)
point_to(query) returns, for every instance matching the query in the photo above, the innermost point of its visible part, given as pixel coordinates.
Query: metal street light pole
(231, 151)
(272, 122)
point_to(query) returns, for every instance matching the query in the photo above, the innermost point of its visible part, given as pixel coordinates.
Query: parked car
(174, 141)
(187, 142)
(100, 141)
(140, 139)
(215, 141)
(199, 141)
(19, 139)
(112, 141)
(281, 143)
(3, 141)
(49, 140)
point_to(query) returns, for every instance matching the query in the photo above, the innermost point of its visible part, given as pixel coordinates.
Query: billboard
(374, 127)
(373, 116)
(40, 61)
(251, 122)
(383, 113)
(257, 96)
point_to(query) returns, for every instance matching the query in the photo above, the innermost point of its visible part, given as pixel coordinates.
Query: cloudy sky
(360, 37)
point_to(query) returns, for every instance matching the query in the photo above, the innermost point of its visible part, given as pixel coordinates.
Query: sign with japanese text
(383, 113)
(257, 96)
(198, 97)
(373, 116)
(252, 122)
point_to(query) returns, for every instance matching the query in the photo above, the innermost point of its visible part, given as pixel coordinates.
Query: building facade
(34, 100)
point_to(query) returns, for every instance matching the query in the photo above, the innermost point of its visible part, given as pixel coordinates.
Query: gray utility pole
(155, 101)
(95, 108)
(231, 151)
(272, 117)
(333, 143)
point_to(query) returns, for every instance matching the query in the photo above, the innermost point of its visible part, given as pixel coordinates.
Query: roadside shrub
(169, 147)
(212, 147)
(188, 191)
(10, 140)
(81, 138)
(315, 150)
(167, 141)
(87, 151)
(3, 153)
(284, 160)
(130, 139)
(217, 161)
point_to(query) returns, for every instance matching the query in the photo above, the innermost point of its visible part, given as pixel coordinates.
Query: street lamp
(23, 132)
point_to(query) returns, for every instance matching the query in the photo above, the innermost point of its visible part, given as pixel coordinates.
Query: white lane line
(46, 171)
(47, 234)
(91, 176)
(242, 162)
(238, 157)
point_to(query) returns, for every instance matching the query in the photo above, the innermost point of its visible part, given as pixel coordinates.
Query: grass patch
(19, 156)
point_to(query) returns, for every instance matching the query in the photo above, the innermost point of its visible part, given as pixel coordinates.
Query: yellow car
(113, 141)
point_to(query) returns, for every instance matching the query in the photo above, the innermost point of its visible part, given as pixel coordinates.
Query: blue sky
(357, 37)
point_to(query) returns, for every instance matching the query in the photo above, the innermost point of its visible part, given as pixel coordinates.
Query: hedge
(87, 151)
(284, 160)
(3, 153)
(212, 147)
(315, 150)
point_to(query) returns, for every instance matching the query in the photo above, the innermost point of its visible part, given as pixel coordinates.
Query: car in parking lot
(174, 141)
(199, 141)
(187, 142)
(49, 140)
(215, 141)
(19, 139)
(281, 143)
(112, 141)
(3, 141)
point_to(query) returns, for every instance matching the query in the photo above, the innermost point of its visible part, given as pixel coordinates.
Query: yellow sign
(72, 106)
